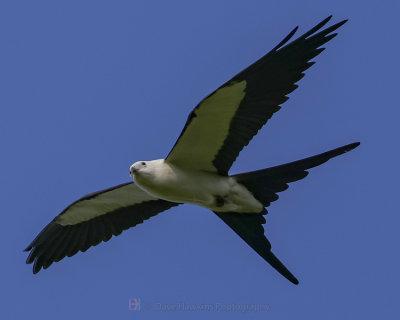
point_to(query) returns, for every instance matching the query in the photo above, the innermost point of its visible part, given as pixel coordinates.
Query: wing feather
(225, 121)
(92, 219)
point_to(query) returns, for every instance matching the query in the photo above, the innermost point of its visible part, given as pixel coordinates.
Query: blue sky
(89, 87)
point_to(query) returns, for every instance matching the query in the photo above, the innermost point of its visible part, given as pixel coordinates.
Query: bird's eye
(143, 163)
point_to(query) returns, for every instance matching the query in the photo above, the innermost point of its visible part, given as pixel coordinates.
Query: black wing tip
(38, 262)
(286, 39)
(339, 24)
(326, 20)
(36, 270)
(334, 27)
(312, 31)
(330, 17)
(322, 24)
(33, 258)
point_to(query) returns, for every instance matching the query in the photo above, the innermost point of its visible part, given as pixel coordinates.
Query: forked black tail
(264, 184)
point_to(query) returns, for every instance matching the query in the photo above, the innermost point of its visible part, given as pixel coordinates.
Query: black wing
(92, 219)
(225, 121)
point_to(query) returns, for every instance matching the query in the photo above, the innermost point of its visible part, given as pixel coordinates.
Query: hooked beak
(133, 170)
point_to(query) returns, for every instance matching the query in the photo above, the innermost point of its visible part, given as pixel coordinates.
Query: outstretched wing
(225, 121)
(92, 219)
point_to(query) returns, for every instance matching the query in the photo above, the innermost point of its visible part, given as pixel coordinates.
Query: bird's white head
(139, 166)
(144, 168)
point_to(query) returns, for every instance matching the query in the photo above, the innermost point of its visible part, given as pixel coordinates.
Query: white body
(210, 190)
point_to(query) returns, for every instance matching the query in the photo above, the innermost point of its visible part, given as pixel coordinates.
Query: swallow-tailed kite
(196, 169)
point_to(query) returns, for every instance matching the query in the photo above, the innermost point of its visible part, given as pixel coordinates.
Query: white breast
(210, 190)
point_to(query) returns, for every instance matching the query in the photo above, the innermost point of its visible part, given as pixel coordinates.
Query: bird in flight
(196, 170)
